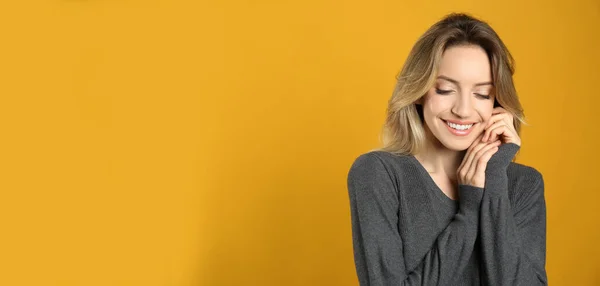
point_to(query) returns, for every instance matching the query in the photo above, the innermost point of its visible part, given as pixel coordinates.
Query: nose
(462, 106)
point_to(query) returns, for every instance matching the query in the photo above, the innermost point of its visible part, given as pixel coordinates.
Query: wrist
(469, 198)
(502, 158)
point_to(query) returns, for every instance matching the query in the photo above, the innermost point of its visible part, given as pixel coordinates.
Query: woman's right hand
(472, 169)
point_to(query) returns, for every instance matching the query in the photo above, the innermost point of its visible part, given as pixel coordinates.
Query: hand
(472, 169)
(501, 126)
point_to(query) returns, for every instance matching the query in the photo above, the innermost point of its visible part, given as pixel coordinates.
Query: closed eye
(445, 92)
(484, 96)
(442, 91)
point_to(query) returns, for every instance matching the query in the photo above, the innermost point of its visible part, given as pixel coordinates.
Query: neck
(438, 159)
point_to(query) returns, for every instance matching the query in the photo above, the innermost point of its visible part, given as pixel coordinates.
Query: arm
(513, 240)
(378, 248)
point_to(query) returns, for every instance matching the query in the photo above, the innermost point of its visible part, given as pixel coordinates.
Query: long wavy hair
(403, 132)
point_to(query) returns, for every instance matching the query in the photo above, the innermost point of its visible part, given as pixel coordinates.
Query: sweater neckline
(432, 186)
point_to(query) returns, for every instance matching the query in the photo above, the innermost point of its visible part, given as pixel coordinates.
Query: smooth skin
(500, 130)
(501, 127)
(463, 91)
(472, 169)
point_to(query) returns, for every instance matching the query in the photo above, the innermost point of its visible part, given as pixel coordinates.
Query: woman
(443, 203)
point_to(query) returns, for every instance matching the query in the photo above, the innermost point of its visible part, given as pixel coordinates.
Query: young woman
(443, 203)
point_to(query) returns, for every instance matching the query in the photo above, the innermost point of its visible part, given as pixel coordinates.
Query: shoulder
(526, 183)
(377, 164)
(379, 160)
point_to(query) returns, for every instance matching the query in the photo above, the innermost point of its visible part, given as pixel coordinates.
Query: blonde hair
(403, 131)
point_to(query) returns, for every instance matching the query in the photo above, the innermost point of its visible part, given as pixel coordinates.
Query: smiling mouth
(459, 127)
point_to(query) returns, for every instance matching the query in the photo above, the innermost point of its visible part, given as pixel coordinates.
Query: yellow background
(208, 143)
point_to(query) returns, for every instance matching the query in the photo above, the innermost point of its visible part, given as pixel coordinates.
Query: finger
(501, 112)
(504, 116)
(497, 132)
(503, 133)
(465, 162)
(484, 159)
(489, 130)
(473, 157)
(472, 172)
(498, 110)
(473, 144)
(476, 158)
(493, 137)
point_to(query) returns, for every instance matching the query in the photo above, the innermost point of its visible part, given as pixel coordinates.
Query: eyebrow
(456, 82)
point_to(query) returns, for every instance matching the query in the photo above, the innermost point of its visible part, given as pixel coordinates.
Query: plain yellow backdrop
(208, 142)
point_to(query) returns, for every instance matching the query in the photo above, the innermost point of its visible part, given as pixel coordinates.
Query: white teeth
(458, 126)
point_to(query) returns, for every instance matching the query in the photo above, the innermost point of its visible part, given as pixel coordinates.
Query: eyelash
(444, 92)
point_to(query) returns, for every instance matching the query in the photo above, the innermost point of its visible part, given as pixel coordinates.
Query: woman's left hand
(501, 126)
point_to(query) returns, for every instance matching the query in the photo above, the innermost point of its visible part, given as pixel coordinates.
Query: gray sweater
(406, 231)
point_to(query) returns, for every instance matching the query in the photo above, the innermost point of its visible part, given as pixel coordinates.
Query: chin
(456, 143)
(457, 146)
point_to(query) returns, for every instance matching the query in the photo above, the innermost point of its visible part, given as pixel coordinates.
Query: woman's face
(457, 108)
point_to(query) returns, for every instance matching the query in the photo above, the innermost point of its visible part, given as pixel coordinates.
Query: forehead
(466, 64)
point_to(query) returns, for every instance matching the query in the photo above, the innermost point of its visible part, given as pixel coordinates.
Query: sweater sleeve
(512, 239)
(377, 243)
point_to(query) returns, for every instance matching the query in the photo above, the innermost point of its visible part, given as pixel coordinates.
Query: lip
(459, 132)
(460, 122)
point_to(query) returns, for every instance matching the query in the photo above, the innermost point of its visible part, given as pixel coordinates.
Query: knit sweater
(406, 231)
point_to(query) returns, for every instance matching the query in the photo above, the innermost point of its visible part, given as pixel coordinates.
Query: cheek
(435, 103)
(485, 110)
